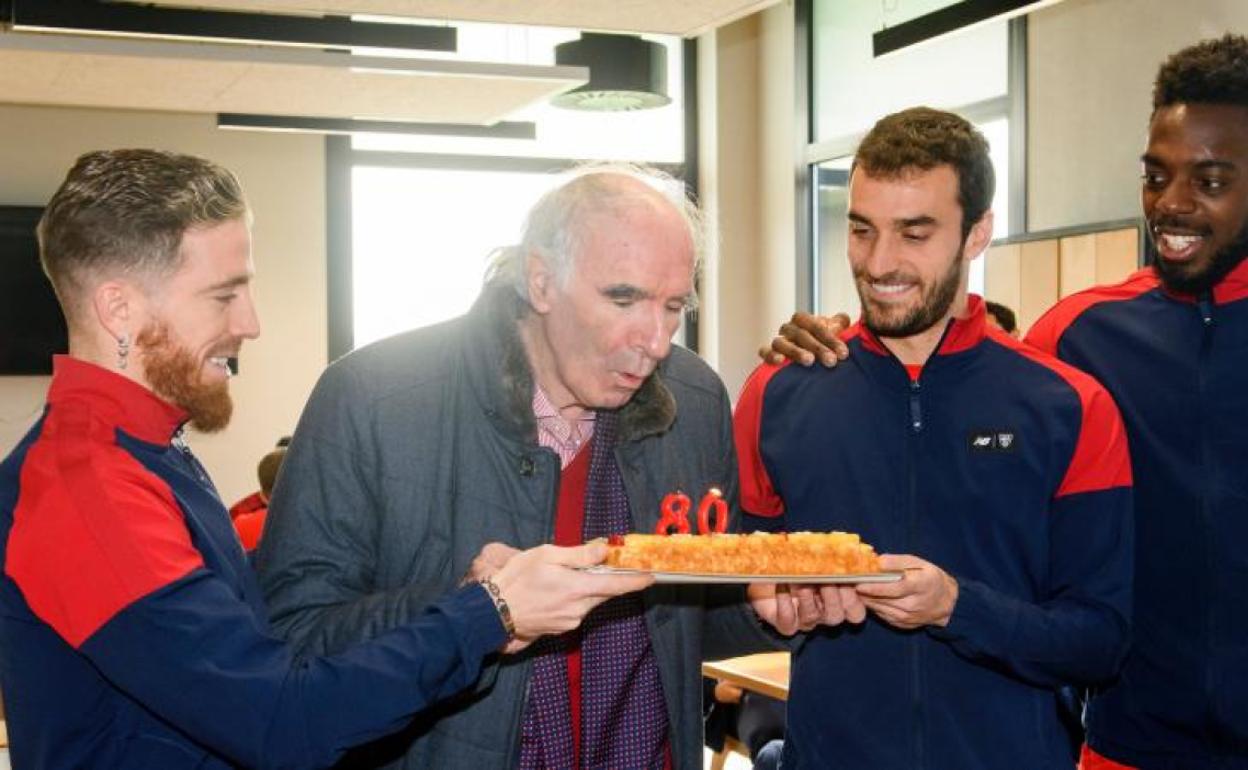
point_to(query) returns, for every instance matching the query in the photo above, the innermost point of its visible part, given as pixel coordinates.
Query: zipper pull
(916, 411)
(188, 459)
(1205, 305)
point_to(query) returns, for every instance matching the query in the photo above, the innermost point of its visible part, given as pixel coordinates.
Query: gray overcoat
(416, 451)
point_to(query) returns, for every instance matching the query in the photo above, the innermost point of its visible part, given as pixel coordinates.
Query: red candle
(713, 499)
(675, 510)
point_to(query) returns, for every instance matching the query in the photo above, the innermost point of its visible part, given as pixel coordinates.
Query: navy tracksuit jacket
(1001, 465)
(132, 632)
(1178, 368)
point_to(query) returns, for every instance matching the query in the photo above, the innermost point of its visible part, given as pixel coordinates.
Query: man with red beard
(132, 632)
(994, 476)
(1171, 344)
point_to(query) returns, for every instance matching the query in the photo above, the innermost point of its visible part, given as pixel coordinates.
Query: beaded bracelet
(500, 604)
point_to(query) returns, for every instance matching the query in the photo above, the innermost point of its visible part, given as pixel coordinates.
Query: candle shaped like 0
(713, 499)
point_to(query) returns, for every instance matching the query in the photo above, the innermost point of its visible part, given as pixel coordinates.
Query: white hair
(555, 227)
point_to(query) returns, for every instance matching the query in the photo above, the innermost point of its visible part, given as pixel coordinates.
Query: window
(424, 213)
(968, 72)
(422, 239)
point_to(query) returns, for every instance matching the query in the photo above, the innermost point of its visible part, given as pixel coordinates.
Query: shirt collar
(964, 333)
(120, 400)
(556, 432)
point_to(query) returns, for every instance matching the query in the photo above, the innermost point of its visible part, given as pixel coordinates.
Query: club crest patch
(992, 440)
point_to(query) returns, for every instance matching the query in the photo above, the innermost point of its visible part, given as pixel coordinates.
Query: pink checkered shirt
(554, 432)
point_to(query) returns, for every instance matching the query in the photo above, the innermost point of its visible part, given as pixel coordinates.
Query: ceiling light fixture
(951, 18)
(625, 73)
(127, 19)
(312, 125)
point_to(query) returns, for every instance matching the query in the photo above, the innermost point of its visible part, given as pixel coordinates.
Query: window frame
(341, 158)
(809, 154)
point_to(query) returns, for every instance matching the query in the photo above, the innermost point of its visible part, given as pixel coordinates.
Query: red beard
(175, 375)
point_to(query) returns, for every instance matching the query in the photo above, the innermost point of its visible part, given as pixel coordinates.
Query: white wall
(746, 93)
(284, 177)
(1091, 65)
(777, 174)
(1091, 68)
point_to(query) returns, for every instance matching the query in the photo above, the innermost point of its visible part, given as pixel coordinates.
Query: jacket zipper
(1205, 305)
(912, 536)
(915, 414)
(192, 464)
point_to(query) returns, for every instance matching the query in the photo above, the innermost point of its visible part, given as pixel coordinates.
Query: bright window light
(422, 240)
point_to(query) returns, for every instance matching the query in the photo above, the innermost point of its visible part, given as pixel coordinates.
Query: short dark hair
(267, 470)
(128, 209)
(1212, 71)
(1005, 317)
(922, 138)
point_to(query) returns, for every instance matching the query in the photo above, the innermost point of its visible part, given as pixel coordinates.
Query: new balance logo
(991, 440)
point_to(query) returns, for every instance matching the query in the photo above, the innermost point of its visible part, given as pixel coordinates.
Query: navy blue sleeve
(196, 655)
(1079, 633)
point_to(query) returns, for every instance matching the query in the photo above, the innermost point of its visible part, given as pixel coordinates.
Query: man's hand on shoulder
(925, 596)
(805, 337)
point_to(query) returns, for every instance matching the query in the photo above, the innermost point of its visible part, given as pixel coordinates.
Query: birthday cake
(759, 553)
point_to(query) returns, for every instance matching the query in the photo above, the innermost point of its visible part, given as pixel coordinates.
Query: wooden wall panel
(1117, 254)
(1078, 256)
(1001, 274)
(1031, 276)
(1038, 281)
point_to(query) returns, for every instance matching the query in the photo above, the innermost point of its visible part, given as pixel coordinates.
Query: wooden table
(766, 673)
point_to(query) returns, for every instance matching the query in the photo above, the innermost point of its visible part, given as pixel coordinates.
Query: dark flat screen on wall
(31, 325)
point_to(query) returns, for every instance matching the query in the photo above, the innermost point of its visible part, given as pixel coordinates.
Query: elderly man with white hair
(556, 410)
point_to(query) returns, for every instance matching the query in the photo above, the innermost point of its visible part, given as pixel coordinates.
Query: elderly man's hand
(793, 608)
(807, 336)
(925, 596)
(548, 593)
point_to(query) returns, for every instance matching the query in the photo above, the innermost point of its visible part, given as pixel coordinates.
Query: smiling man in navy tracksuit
(996, 475)
(1171, 344)
(133, 633)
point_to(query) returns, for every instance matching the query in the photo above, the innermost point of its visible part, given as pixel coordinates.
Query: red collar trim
(123, 402)
(1234, 286)
(965, 333)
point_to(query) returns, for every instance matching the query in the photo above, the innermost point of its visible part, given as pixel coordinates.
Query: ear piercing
(123, 350)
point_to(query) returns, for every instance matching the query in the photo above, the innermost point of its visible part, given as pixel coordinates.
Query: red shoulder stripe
(93, 530)
(1234, 287)
(1047, 331)
(868, 339)
(1101, 460)
(758, 495)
